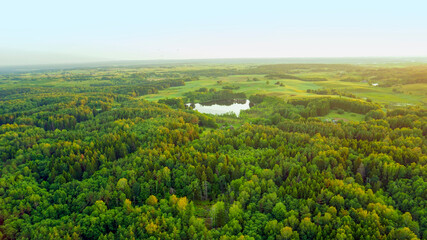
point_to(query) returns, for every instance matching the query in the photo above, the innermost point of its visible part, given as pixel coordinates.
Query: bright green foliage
(218, 214)
(87, 158)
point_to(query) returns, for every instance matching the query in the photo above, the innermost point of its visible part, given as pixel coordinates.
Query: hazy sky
(45, 31)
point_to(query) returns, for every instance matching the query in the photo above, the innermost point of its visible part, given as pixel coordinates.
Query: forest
(115, 153)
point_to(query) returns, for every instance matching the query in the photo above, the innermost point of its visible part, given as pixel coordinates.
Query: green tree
(218, 214)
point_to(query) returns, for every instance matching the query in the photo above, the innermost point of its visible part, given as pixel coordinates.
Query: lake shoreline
(221, 107)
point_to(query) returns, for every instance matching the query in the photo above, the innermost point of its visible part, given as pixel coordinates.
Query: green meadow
(410, 94)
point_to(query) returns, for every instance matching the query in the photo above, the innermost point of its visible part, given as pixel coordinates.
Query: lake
(222, 106)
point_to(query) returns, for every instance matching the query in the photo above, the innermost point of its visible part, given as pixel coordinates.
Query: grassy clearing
(413, 94)
(346, 116)
(263, 86)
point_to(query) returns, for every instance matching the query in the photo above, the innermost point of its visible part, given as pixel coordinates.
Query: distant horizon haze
(21, 58)
(52, 32)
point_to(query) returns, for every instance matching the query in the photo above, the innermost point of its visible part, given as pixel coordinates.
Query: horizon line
(156, 61)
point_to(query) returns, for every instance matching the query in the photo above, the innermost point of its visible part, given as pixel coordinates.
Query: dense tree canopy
(100, 163)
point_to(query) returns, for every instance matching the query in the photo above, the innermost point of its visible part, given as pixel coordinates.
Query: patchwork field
(407, 94)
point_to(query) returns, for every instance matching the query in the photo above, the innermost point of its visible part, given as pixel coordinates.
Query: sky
(40, 32)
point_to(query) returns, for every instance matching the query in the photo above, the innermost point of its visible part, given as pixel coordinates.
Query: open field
(242, 76)
(412, 94)
(346, 116)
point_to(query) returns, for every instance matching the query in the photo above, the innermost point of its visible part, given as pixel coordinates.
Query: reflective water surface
(222, 106)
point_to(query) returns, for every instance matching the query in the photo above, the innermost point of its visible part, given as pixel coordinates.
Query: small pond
(222, 106)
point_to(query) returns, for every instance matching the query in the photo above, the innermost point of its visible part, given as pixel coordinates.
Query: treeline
(213, 72)
(149, 87)
(396, 75)
(385, 76)
(228, 87)
(301, 68)
(322, 106)
(333, 91)
(205, 95)
(287, 76)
